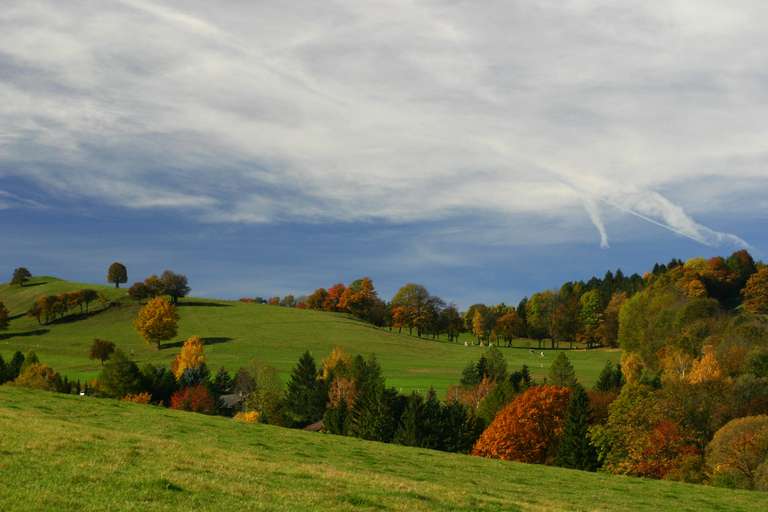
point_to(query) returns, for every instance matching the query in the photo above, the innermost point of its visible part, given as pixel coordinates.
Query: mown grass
(235, 333)
(62, 452)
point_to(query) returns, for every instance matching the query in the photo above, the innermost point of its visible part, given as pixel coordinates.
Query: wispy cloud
(402, 111)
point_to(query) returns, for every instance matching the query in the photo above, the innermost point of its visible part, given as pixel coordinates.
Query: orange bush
(527, 429)
(248, 417)
(195, 399)
(138, 398)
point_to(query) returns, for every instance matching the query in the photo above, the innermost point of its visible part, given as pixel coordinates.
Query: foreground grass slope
(62, 452)
(235, 333)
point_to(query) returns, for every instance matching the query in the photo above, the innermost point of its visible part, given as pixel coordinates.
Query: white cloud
(349, 110)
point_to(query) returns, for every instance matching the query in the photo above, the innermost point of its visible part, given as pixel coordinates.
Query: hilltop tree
(4, 317)
(755, 293)
(157, 321)
(561, 373)
(20, 276)
(575, 450)
(174, 285)
(305, 397)
(317, 299)
(117, 274)
(120, 376)
(333, 296)
(191, 357)
(101, 350)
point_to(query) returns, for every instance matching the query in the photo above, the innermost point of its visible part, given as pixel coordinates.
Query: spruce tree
(120, 376)
(605, 382)
(575, 450)
(336, 419)
(561, 373)
(408, 431)
(431, 423)
(14, 366)
(3, 370)
(305, 398)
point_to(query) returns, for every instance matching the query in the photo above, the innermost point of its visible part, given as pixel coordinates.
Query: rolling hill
(236, 333)
(63, 452)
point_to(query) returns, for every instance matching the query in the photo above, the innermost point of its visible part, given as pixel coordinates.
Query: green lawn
(63, 452)
(236, 333)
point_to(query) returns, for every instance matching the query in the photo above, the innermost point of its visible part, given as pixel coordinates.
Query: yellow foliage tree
(478, 326)
(138, 398)
(706, 368)
(157, 321)
(336, 358)
(632, 367)
(755, 292)
(192, 355)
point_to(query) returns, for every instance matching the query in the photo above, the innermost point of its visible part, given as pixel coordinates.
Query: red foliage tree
(195, 399)
(528, 429)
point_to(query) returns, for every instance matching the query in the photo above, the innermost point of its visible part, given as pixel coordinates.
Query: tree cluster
(168, 284)
(49, 308)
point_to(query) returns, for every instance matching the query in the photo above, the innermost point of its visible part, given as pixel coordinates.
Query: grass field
(235, 333)
(63, 452)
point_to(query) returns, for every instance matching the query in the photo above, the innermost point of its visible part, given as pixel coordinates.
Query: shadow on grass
(36, 332)
(206, 341)
(32, 285)
(204, 304)
(79, 316)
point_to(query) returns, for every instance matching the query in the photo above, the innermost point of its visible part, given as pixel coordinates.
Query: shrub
(194, 399)
(248, 417)
(138, 398)
(37, 376)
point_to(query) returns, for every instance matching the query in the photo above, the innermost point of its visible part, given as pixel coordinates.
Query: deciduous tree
(20, 276)
(191, 357)
(528, 429)
(194, 399)
(120, 376)
(755, 293)
(101, 350)
(117, 274)
(737, 451)
(157, 321)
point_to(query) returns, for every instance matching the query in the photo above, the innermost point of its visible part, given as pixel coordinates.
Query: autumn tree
(452, 323)
(194, 398)
(333, 296)
(120, 376)
(174, 285)
(20, 276)
(478, 326)
(528, 429)
(117, 274)
(561, 373)
(755, 293)
(509, 326)
(415, 301)
(37, 375)
(608, 329)
(575, 450)
(317, 299)
(539, 310)
(737, 453)
(4, 317)
(305, 396)
(157, 321)
(191, 358)
(101, 350)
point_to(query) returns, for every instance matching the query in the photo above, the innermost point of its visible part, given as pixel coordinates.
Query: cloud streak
(396, 111)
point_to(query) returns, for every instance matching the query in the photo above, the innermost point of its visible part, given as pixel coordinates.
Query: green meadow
(236, 333)
(70, 453)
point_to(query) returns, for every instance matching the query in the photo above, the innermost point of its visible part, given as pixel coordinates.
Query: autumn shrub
(194, 398)
(528, 429)
(737, 451)
(37, 376)
(138, 398)
(248, 417)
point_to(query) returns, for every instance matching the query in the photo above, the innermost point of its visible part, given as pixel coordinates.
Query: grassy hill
(63, 452)
(235, 333)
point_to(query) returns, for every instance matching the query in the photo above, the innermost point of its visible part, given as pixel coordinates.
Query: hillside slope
(236, 332)
(62, 452)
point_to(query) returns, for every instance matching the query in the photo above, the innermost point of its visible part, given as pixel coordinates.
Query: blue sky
(486, 153)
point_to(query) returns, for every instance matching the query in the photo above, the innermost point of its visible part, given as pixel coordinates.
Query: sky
(486, 150)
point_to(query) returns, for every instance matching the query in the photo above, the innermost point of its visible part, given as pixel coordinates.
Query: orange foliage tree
(157, 321)
(194, 398)
(706, 368)
(755, 293)
(738, 451)
(528, 429)
(192, 356)
(471, 397)
(333, 297)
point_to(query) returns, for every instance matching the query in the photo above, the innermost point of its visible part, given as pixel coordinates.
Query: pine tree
(606, 380)
(336, 419)
(3, 370)
(14, 365)
(575, 450)
(431, 422)
(4, 317)
(561, 373)
(305, 398)
(408, 431)
(120, 376)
